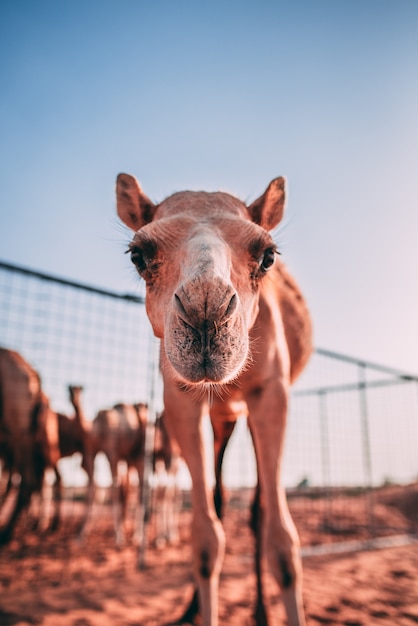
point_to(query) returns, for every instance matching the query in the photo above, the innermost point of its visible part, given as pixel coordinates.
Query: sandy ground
(53, 580)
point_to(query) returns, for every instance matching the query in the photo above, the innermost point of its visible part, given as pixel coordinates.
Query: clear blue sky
(222, 95)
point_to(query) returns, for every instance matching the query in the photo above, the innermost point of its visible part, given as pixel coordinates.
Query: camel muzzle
(206, 343)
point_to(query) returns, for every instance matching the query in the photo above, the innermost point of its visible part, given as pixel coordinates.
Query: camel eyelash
(260, 245)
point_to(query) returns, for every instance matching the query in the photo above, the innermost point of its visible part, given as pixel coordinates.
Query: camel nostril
(232, 306)
(180, 307)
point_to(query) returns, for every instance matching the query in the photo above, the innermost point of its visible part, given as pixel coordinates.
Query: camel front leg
(208, 539)
(222, 431)
(116, 502)
(57, 500)
(88, 467)
(141, 512)
(267, 416)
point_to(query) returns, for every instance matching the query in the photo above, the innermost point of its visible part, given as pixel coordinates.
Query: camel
(29, 430)
(235, 333)
(122, 432)
(73, 431)
(73, 437)
(118, 432)
(82, 434)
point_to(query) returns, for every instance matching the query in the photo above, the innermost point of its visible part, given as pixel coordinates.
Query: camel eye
(267, 260)
(137, 259)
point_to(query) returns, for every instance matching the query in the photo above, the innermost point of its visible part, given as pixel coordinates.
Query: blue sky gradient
(222, 95)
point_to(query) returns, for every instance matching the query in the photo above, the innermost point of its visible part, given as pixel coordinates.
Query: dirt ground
(53, 580)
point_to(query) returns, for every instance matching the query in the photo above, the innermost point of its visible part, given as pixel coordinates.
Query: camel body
(235, 333)
(28, 430)
(119, 433)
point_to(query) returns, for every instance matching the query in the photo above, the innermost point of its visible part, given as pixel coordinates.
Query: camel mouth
(199, 359)
(207, 371)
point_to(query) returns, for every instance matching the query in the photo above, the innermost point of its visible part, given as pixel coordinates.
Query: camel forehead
(201, 204)
(190, 221)
(174, 229)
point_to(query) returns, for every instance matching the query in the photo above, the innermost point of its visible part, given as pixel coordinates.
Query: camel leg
(56, 498)
(163, 506)
(88, 466)
(256, 521)
(221, 435)
(141, 512)
(116, 503)
(222, 431)
(117, 512)
(22, 502)
(159, 498)
(267, 416)
(38, 505)
(7, 489)
(171, 511)
(208, 539)
(6, 480)
(124, 490)
(166, 508)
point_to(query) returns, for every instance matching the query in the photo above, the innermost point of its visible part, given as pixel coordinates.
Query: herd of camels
(235, 333)
(34, 437)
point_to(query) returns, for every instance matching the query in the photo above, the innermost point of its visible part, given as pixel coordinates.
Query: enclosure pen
(352, 426)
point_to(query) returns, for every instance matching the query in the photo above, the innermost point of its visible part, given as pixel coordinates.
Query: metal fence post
(325, 456)
(367, 461)
(323, 414)
(149, 452)
(365, 431)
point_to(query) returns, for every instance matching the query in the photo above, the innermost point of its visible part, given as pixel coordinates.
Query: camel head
(75, 392)
(142, 411)
(203, 257)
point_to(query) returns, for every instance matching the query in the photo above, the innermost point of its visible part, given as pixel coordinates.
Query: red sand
(53, 580)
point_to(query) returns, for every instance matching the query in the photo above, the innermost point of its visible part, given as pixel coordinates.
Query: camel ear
(134, 208)
(268, 209)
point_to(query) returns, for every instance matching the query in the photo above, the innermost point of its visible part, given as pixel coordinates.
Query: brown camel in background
(73, 438)
(235, 333)
(28, 431)
(118, 432)
(33, 438)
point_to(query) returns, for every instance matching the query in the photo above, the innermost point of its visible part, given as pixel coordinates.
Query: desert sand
(54, 580)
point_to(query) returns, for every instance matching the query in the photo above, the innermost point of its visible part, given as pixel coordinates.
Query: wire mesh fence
(352, 428)
(73, 333)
